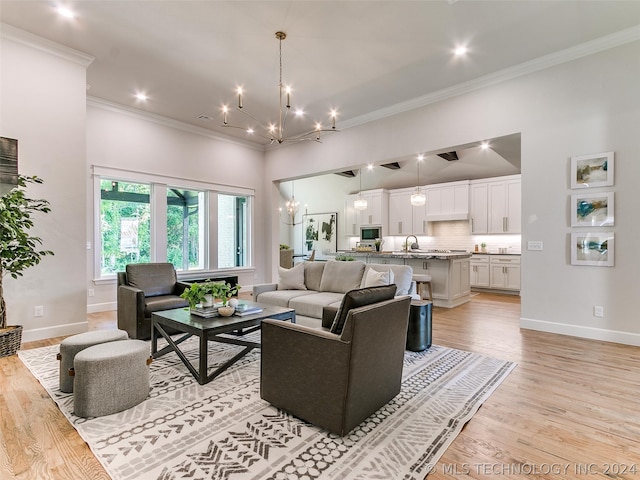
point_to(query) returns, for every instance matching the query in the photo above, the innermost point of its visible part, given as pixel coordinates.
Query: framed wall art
(319, 234)
(592, 248)
(589, 171)
(8, 164)
(592, 210)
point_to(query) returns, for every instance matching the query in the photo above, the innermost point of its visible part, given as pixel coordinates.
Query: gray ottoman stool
(111, 377)
(70, 347)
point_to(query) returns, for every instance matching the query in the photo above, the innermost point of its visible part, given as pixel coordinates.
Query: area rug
(223, 430)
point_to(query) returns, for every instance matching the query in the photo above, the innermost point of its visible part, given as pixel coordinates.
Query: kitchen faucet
(406, 242)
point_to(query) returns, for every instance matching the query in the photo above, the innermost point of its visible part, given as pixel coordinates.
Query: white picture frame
(592, 248)
(592, 210)
(595, 170)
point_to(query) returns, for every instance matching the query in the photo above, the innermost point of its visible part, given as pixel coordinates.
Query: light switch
(534, 245)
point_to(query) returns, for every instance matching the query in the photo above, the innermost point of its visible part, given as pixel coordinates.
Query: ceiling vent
(392, 166)
(348, 173)
(449, 156)
(206, 118)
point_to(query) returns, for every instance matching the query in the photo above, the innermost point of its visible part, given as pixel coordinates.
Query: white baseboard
(56, 331)
(102, 307)
(591, 333)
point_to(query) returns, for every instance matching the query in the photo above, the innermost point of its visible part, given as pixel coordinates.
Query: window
(185, 228)
(125, 225)
(143, 218)
(232, 231)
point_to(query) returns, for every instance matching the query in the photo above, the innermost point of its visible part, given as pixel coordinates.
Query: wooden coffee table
(210, 330)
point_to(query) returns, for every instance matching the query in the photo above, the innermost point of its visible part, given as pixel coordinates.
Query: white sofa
(310, 286)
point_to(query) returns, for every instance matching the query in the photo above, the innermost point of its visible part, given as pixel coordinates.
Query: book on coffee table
(206, 312)
(245, 309)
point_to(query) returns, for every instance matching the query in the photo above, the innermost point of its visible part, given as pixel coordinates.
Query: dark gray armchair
(145, 288)
(337, 380)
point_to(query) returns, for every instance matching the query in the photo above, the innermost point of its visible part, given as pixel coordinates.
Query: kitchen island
(449, 271)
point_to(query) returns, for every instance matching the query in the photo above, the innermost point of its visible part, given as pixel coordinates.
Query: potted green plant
(200, 293)
(18, 249)
(483, 246)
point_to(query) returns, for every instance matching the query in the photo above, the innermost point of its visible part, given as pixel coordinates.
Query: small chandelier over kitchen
(291, 207)
(360, 203)
(275, 132)
(418, 198)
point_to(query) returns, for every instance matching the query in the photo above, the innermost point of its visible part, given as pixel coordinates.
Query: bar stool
(421, 280)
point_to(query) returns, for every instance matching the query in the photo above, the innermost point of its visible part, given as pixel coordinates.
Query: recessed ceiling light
(142, 97)
(461, 50)
(66, 12)
(484, 145)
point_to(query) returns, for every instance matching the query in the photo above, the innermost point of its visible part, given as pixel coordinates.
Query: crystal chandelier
(275, 132)
(418, 198)
(360, 203)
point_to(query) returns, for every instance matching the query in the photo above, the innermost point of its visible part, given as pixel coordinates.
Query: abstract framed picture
(589, 171)
(319, 234)
(592, 210)
(592, 248)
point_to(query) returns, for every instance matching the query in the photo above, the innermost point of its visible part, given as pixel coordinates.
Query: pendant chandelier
(360, 203)
(275, 132)
(291, 207)
(418, 198)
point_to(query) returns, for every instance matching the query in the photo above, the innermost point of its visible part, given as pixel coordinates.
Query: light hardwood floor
(569, 410)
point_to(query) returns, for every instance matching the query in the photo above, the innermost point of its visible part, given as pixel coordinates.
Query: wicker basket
(10, 341)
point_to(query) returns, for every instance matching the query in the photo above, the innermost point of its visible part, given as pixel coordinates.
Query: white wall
(588, 105)
(131, 140)
(42, 104)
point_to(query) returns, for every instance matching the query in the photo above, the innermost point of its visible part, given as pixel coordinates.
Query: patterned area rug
(223, 430)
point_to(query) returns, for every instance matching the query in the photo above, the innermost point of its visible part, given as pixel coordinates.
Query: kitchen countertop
(409, 254)
(496, 253)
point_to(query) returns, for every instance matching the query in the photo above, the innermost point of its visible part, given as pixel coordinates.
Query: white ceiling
(366, 59)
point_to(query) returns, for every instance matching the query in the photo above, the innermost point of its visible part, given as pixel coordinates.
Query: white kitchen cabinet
(479, 270)
(400, 215)
(504, 205)
(495, 205)
(460, 280)
(448, 201)
(351, 223)
(376, 213)
(404, 218)
(505, 272)
(479, 209)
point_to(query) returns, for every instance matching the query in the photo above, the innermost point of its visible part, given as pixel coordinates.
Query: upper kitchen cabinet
(404, 218)
(448, 201)
(496, 205)
(376, 213)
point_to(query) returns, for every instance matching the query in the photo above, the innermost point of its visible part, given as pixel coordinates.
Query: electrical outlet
(91, 292)
(38, 311)
(598, 311)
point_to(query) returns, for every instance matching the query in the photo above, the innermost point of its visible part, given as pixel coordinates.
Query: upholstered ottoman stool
(111, 377)
(70, 347)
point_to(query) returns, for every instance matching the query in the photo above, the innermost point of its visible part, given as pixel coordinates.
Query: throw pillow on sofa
(374, 278)
(291, 278)
(359, 298)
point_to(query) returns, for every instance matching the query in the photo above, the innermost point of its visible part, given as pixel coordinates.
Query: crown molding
(563, 56)
(167, 122)
(38, 43)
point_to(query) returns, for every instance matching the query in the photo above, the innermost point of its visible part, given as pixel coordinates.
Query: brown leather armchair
(336, 380)
(145, 288)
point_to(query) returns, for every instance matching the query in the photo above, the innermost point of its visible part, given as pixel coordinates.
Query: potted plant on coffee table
(200, 294)
(18, 249)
